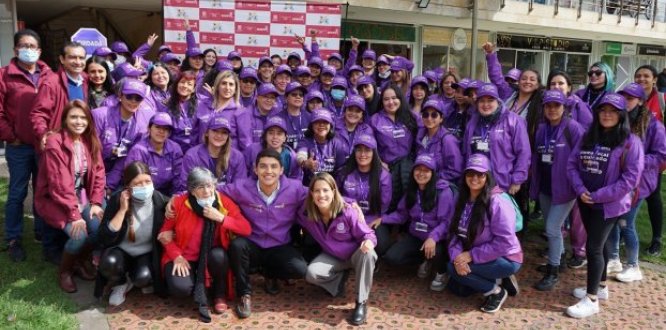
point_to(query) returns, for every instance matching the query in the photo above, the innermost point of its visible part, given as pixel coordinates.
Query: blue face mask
(203, 202)
(143, 193)
(338, 94)
(26, 55)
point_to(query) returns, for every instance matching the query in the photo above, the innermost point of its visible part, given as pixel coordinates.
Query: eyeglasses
(134, 97)
(296, 94)
(248, 81)
(429, 114)
(27, 46)
(204, 186)
(595, 73)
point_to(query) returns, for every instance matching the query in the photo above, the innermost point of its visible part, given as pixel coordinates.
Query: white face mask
(203, 202)
(120, 59)
(110, 65)
(385, 74)
(27, 55)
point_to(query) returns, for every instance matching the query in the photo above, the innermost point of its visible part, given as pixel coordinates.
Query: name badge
(364, 205)
(421, 227)
(257, 133)
(482, 146)
(547, 158)
(398, 133)
(120, 151)
(187, 131)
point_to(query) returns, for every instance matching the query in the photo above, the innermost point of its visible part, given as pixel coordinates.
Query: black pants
(598, 250)
(115, 263)
(656, 211)
(407, 251)
(383, 233)
(282, 262)
(218, 264)
(401, 171)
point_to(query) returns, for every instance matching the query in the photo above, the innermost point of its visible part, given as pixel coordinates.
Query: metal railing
(636, 10)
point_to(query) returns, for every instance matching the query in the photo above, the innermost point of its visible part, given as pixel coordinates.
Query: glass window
(435, 57)
(507, 58)
(529, 60)
(577, 65)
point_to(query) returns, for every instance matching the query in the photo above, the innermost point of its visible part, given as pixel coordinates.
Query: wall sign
(543, 43)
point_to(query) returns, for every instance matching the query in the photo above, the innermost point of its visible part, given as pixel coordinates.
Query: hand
(124, 200)
(586, 198)
(213, 214)
(168, 210)
(462, 269)
(375, 223)
(513, 189)
(488, 47)
(208, 88)
(187, 25)
(78, 228)
(463, 258)
(299, 39)
(151, 39)
(428, 248)
(137, 63)
(180, 267)
(354, 42)
(42, 144)
(165, 237)
(310, 164)
(366, 246)
(96, 211)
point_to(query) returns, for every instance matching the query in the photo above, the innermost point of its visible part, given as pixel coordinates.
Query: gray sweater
(142, 211)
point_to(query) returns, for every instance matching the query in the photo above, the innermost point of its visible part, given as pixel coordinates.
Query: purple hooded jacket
(394, 139)
(445, 148)
(579, 111)
(654, 147)
(251, 152)
(496, 77)
(205, 111)
(198, 156)
(356, 186)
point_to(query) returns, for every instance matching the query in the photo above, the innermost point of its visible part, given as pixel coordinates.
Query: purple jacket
(654, 147)
(157, 100)
(315, 50)
(510, 151)
(330, 156)
(619, 181)
(165, 168)
(141, 51)
(497, 238)
(356, 186)
(199, 156)
(204, 112)
(145, 106)
(444, 102)
(562, 191)
(496, 77)
(394, 140)
(445, 148)
(296, 126)
(249, 126)
(251, 152)
(186, 129)
(248, 101)
(579, 111)
(344, 234)
(347, 138)
(423, 225)
(270, 223)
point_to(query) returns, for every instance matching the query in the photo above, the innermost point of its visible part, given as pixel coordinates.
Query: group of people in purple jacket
(183, 178)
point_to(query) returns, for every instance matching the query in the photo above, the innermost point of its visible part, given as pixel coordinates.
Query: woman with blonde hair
(223, 97)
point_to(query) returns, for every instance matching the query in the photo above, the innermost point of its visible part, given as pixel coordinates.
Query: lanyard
(297, 129)
(120, 133)
(418, 201)
(519, 110)
(363, 189)
(597, 100)
(485, 132)
(550, 134)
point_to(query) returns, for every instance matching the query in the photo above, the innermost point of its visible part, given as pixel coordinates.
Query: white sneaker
(581, 292)
(584, 308)
(630, 274)
(614, 266)
(439, 283)
(424, 269)
(119, 292)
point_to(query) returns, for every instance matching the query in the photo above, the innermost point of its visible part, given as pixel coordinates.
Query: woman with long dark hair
(483, 248)
(368, 90)
(182, 107)
(275, 138)
(319, 151)
(436, 140)
(210, 58)
(352, 124)
(604, 170)
(458, 113)
(418, 94)
(446, 91)
(160, 80)
(100, 83)
(574, 108)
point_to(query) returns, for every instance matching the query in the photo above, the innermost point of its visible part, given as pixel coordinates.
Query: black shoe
(494, 301)
(549, 280)
(510, 284)
(360, 313)
(577, 262)
(544, 268)
(204, 314)
(654, 250)
(271, 286)
(343, 282)
(244, 307)
(16, 252)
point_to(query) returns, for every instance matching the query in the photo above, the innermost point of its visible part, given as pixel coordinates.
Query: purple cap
(419, 80)
(322, 114)
(382, 59)
(314, 94)
(434, 104)
(224, 65)
(134, 87)
(353, 68)
(365, 140)
(164, 48)
(234, 55)
(369, 54)
(401, 63)
(316, 61)
(426, 160)
(478, 163)
(194, 51)
(634, 90)
(161, 119)
(335, 56)
(169, 57)
(354, 101)
(119, 47)
(614, 99)
(295, 85)
(249, 72)
(513, 74)
(283, 68)
(327, 69)
(463, 83)
(302, 70)
(294, 55)
(104, 52)
(218, 120)
(487, 90)
(474, 84)
(275, 121)
(339, 82)
(126, 70)
(365, 80)
(265, 59)
(555, 96)
(267, 88)
(431, 76)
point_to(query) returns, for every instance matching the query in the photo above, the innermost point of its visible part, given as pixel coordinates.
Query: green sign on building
(613, 48)
(375, 31)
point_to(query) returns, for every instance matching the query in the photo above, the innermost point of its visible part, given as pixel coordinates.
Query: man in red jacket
(19, 82)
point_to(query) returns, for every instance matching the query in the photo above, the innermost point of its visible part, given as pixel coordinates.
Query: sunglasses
(474, 174)
(296, 94)
(430, 114)
(594, 73)
(248, 81)
(134, 97)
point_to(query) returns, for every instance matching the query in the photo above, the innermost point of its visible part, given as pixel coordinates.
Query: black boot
(549, 280)
(360, 313)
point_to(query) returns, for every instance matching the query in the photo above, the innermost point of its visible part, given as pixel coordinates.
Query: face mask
(143, 193)
(26, 55)
(338, 94)
(203, 202)
(385, 74)
(120, 60)
(110, 65)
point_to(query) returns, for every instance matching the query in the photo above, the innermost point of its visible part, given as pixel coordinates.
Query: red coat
(55, 198)
(53, 96)
(185, 220)
(17, 95)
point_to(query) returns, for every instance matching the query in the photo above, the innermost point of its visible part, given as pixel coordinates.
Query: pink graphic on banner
(253, 28)
(181, 3)
(216, 14)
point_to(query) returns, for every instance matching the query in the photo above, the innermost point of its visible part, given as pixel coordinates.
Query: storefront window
(434, 57)
(446, 57)
(574, 64)
(507, 58)
(529, 60)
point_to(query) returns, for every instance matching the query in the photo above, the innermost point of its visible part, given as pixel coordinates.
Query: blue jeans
(626, 225)
(483, 277)
(22, 165)
(74, 244)
(555, 216)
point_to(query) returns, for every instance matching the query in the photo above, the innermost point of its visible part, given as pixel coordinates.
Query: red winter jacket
(55, 198)
(17, 95)
(53, 96)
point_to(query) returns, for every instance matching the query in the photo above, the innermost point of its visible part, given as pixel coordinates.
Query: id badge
(482, 146)
(257, 133)
(364, 205)
(547, 158)
(421, 226)
(120, 151)
(398, 133)
(187, 131)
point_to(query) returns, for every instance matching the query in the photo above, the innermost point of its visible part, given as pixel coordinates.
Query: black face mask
(635, 113)
(491, 117)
